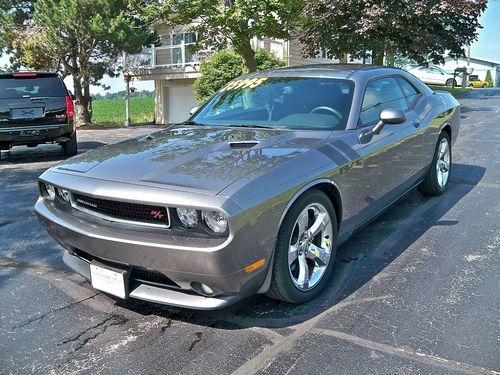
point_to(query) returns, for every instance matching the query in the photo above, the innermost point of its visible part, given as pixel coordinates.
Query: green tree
(489, 78)
(223, 66)
(81, 38)
(228, 23)
(416, 29)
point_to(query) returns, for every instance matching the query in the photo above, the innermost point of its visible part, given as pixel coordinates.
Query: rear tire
(70, 147)
(303, 262)
(471, 85)
(485, 86)
(438, 176)
(451, 82)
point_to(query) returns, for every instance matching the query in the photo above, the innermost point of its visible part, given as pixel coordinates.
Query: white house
(174, 68)
(481, 66)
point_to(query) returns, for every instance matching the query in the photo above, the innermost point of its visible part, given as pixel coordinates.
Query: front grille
(124, 211)
(149, 276)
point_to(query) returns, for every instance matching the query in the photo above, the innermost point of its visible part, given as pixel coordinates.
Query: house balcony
(163, 62)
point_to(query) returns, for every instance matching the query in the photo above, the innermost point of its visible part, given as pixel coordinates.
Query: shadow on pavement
(42, 153)
(358, 260)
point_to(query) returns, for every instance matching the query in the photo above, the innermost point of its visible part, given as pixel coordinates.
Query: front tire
(485, 86)
(437, 178)
(305, 249)
(70, 147)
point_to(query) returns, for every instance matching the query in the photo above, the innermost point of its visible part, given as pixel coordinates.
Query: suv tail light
(70, 107)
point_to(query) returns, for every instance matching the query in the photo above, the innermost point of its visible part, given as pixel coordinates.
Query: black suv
(36, 108)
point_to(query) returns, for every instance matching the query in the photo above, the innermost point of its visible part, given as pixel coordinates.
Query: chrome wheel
(443, 163)
(310, 246)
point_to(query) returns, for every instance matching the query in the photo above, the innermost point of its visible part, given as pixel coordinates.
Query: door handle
(416, 123)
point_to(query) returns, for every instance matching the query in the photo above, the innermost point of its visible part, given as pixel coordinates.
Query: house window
(186, 37)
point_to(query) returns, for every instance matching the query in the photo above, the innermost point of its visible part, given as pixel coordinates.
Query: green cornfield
(112, 112)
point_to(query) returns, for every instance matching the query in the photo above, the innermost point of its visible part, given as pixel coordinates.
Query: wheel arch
(327, 186)
(447, 128)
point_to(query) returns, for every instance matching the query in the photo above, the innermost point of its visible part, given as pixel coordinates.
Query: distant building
(481, 66)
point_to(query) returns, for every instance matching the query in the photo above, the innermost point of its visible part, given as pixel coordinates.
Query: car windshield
(30, 86)
(280, 102)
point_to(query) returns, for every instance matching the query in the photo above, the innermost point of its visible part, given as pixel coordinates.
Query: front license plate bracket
(111, 280)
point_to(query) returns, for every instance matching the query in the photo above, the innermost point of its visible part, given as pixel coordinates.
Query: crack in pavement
(13, 263)
(15, 220)
(114, 320)
(44, 315)
(196, 340)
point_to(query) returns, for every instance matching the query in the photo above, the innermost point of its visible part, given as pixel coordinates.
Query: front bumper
(25, 135)
(218, 263)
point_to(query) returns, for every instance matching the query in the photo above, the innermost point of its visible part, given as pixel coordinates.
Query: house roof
(492, 62)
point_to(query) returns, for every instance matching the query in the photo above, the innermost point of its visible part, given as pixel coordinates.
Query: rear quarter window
(31, 87)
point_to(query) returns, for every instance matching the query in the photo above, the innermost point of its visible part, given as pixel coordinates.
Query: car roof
(344, 71)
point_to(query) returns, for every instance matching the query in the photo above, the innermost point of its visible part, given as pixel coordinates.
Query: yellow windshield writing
(250, 83)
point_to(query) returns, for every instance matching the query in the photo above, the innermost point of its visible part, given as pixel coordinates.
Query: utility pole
(465, 75)
(127, 100)
(127, 90)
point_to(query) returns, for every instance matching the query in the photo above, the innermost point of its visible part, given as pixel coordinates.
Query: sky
(486, 47)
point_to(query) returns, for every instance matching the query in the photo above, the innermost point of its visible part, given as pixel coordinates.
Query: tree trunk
(377, 57)
(82, 113)
(390, 58)
(248, 54)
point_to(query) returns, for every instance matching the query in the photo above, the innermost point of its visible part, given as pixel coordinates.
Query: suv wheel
(71, 147)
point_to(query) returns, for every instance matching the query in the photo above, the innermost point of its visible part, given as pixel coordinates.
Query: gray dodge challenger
(253, 193)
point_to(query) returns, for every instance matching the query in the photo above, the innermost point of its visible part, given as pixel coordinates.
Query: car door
(389, 163)
(438, 76)
(424, 74)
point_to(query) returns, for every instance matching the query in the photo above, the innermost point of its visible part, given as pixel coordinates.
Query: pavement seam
(411, 354)
(262, 359)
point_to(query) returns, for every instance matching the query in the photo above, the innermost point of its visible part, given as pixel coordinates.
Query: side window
(410, 92)
(380, 94)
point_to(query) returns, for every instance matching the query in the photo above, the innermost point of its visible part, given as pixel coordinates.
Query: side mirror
(193, 110)
(389, 116)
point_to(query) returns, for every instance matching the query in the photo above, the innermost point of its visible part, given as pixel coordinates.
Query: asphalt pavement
(415, 292)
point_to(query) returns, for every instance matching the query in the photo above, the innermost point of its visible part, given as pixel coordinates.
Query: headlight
(49, 191)
(215, 220)
(188, 217)
(64, 195)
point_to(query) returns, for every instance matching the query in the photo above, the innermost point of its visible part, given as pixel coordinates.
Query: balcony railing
(173, 56)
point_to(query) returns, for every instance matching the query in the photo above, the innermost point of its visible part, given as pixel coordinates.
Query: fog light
(64, 195)
(50, 191)
(215, 220)
(188, 217)
(202, 288)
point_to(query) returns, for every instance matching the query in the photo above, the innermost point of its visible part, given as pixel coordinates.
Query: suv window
(381, 94)
(14, 86)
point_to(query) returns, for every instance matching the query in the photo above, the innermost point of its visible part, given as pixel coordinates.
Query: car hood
(201, 159)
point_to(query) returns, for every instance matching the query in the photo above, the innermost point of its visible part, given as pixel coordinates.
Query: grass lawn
(456, 92)
(112, 111)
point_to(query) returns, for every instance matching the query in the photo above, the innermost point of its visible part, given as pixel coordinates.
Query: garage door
(180, 100)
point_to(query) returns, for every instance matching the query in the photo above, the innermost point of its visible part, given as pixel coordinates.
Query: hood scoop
(244, 144)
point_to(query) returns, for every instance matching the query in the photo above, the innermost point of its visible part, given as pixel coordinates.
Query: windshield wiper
(191, 123)
(251, 126)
